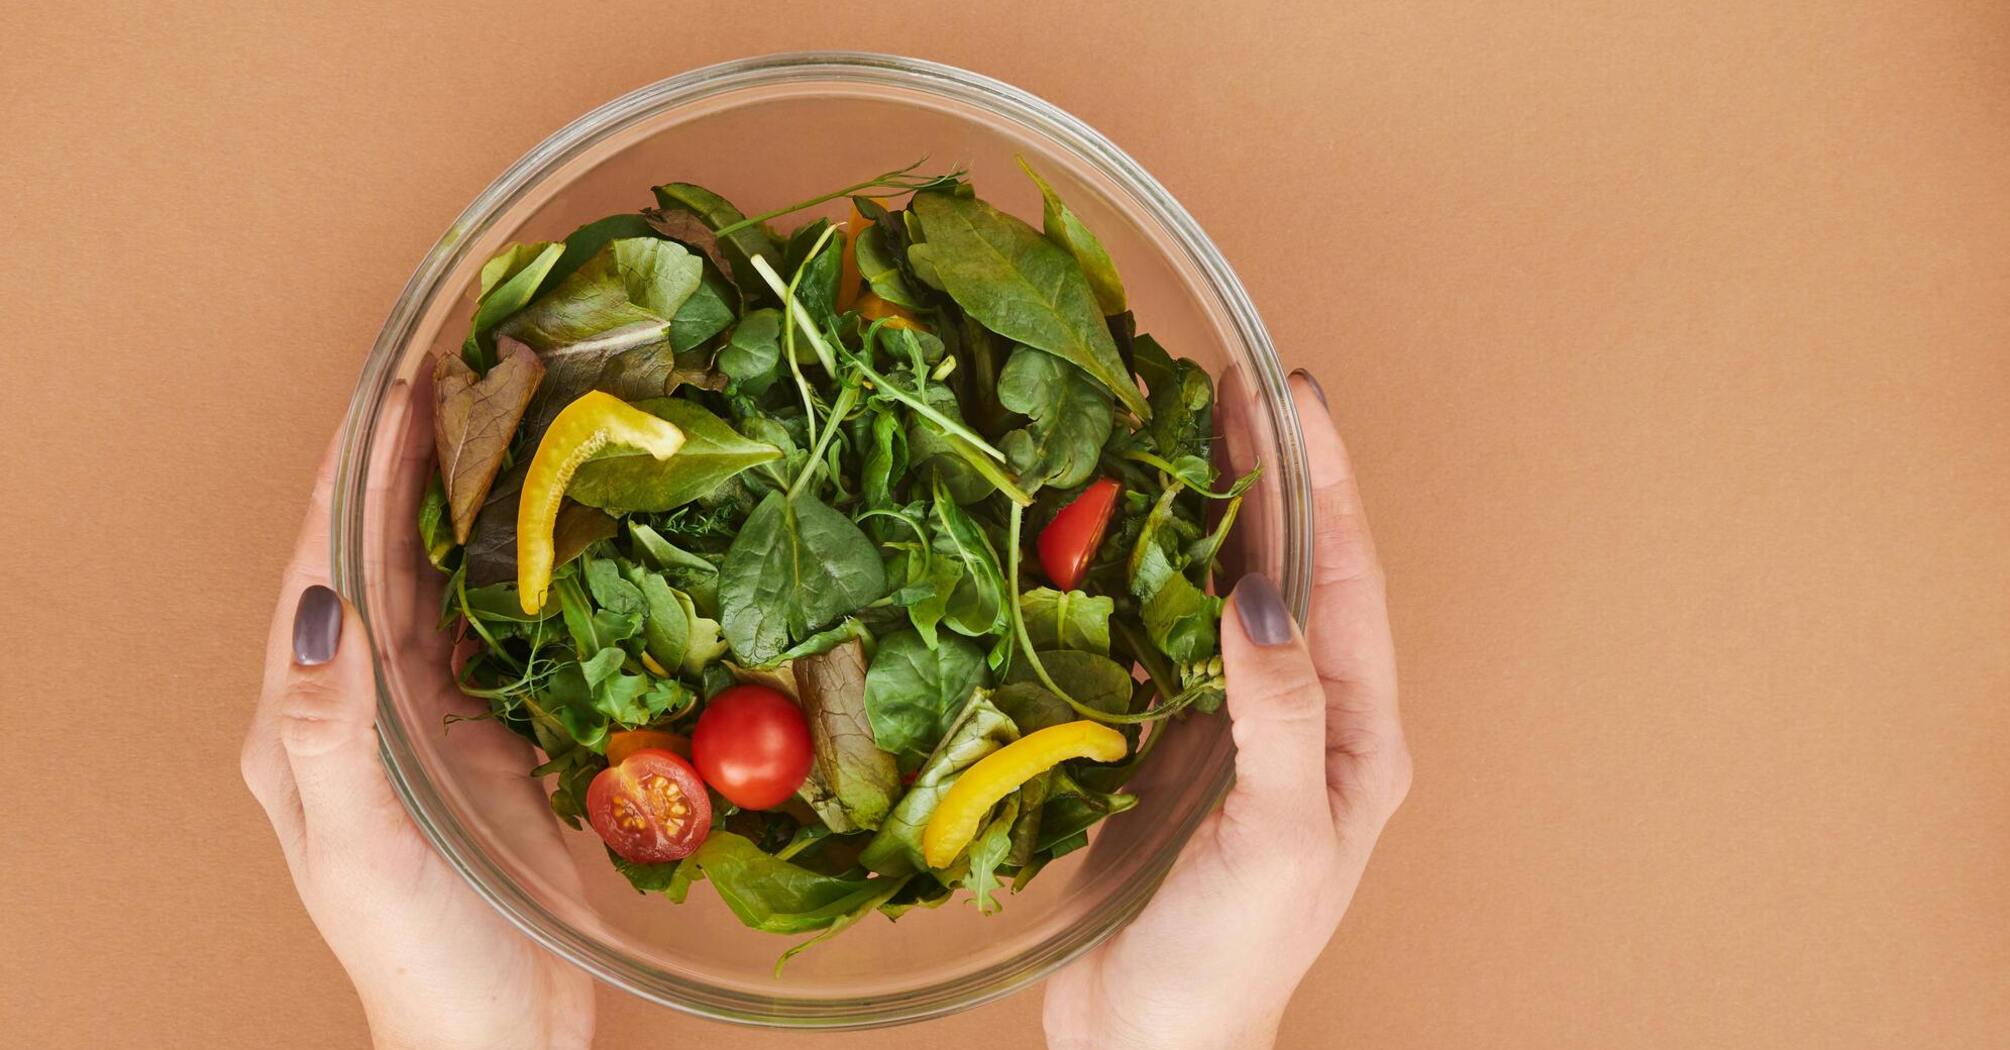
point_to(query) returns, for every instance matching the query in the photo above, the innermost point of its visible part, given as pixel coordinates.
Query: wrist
(1250, 1030)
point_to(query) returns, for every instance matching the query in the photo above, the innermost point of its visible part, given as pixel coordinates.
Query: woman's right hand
(1320, 767)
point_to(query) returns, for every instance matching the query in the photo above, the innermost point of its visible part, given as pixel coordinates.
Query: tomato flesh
(1070, 540)
(753, 746)
(650, 808)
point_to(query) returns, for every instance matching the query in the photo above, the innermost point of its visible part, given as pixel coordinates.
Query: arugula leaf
(752, 356)
(740, 247)
(473, 419)
(1067, 619)
(913, 691)
(1022, 286)
(436, 532)
(1070, 420)
(1067, 231)
(796, 566)
(853, 777)
(624, 480)
(987, 851)
(979, 730)
(1072, 809)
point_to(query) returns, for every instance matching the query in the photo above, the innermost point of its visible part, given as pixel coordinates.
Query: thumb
(327, 714)
(1277, 708)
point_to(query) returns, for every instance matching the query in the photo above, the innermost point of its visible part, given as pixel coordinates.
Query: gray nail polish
(317, 626)
(1261, 610)
(1311, 381)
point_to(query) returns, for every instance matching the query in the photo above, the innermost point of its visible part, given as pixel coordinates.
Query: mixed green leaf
(878, 422)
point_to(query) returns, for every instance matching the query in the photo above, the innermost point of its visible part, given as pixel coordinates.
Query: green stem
(1154, 460)
(1033, 658)
(890, 181)
(847, 397)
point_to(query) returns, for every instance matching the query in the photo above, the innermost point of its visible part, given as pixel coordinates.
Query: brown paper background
(1674, 346)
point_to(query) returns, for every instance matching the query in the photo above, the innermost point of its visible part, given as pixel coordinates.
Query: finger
(1277, 711)
(1349, 622)
(326, 715)
(263, 760)
(1367, 759)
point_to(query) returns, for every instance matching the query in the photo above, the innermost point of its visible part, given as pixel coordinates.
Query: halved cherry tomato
(624, 742)
(1071, 539)
(753, 746)
(650, 809)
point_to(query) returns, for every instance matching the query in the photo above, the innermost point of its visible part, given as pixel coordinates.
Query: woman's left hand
(435, 966)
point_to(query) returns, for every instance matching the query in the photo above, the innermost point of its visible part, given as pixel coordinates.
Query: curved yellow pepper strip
(590, 423)
(1000, 773)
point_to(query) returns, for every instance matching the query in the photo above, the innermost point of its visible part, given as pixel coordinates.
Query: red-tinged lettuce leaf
(491, 548)
(687, 229)
(473, 422)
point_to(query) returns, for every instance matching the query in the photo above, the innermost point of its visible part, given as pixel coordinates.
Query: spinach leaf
(979, 730)
(1097, 681)
(913, 691)
(649, 878)
(1067, 231)
(852, 777)
(1025, 833)
(610, 590)
(509, 281)
(1067, 619)
(880, 267)
(473, 420)
(666, 624)
(1182, 620)
(1022, 286)
(624, 480)
(664, 556)
(817, 289)
(886, 890)
(1070, 420)
(796, 566)
(587, 241)
(740, 247)
(713, 305)
(752, 356)
(1182, 399)
(975, 603)
(775, 895)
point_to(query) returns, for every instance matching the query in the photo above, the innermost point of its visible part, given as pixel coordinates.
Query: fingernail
(1261, 610)
(1310, 381)
(317, 626)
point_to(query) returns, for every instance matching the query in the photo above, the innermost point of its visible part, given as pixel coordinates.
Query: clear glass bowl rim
(407, 775)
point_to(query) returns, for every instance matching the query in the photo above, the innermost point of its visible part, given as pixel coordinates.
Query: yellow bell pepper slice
(998, 774)
(590, 423)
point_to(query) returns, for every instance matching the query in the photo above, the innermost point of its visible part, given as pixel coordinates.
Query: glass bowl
(763, 132)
